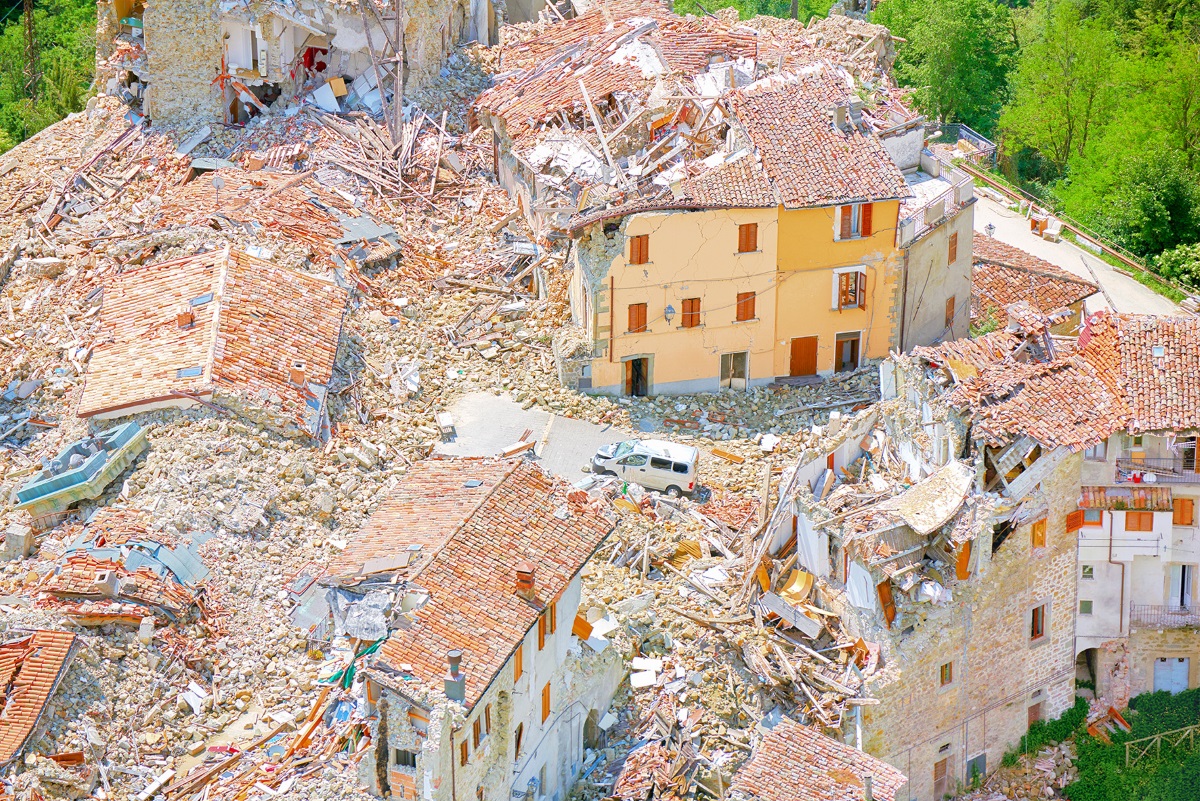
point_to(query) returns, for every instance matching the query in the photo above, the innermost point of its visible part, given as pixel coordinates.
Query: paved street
(1126, 294)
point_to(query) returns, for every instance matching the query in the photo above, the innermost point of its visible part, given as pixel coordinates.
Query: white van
(653, 463)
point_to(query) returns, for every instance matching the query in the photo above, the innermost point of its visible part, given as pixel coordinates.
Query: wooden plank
(727, 456)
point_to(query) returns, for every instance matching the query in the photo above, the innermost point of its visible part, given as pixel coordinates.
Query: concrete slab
(1119, 291)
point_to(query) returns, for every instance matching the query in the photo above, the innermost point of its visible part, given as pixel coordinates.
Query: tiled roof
(1003, 274)
(736, 184)
(432, 502)
(526, 516)
(1143, 498)
(809, 160)
(797, 763)
(252, 320)
(967, 356)
(1162, 387)
(30, 670)
(645, 770)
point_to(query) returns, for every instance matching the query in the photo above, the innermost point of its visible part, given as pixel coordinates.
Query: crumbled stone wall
(183, 52)
(106, 28)
(998, 672)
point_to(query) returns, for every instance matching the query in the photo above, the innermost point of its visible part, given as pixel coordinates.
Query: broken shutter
(885, 600)
(865, 224)
(1075, 521)
(952, 255)
(637, 318)
(1183, 512)
(962, 564)
(847, 284)
(847, 222)
(860, 299)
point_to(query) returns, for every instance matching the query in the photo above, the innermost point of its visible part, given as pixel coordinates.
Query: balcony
(1168, 470)
(1164, 617)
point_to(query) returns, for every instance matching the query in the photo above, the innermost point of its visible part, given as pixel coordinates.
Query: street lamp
(668, 313)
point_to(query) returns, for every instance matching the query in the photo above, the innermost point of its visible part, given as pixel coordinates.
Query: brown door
(804, 356)
(636, 377)
(941, 779)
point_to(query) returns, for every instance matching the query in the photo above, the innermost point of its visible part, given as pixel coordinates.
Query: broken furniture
(80, 472)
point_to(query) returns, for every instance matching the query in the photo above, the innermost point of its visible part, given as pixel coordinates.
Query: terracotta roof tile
(646, 769)
(1144, 498)
(252, 320)
(30, 669)
(797, 763)
(470, 579)
(1003, 274)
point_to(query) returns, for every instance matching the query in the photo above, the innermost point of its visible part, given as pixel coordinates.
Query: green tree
(1060, 88)
(958, 56)
(805, 9)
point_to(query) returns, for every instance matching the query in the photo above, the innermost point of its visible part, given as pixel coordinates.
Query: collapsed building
(232, 61)
(1003, 275)
(32, 665)
(218, 328)
(721, 180)
(465, 582)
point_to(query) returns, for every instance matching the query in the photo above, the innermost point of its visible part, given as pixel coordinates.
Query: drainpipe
(453, 778)
(1121, 608)
(903, 295)
(612, 317)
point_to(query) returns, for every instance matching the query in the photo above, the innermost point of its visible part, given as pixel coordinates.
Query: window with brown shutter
(541, 632)
(865, 221)
(519, 662)
(691, 312)
(545, 702)
(745, 306)
(950, 304)
(952, 255)
(637, 318)
(847, 222)
(552, 617)
(1139, 521)
(747, 237)
(477, 731)
(852, 290)
(518, 737)
(639, 249)
(487, 719)
(1037, 623)
(1184, 511)
(887, 602)
(463, 753)
(1075, 521)
(1037, 534)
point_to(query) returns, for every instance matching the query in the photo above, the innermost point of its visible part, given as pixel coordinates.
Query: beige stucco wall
(930, 280)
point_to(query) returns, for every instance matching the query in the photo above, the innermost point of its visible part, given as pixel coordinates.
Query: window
(745, 306)
(639, 249)
(1093, 518)
(845, 352)
(487, 720)
(404, 759)
(1181, 578)
(1035, 713)
(1139, 521)
(477, 731)
(691, 312)
(542, 629)
(941, 779)
(1037, 534)
(1184, 512)
(1098, 452)
(946, 674)
(519, 662)
(636, 460)
(1137, 441)
(747, 238)
(1037, 623)
(854, 220)
(546, 702)
(950, 304)
(1085, 607)
(952, 249)
(464, 753)
(1087, 572)
(518, 737)
(659, 463)
(850, 289)
(637, 318)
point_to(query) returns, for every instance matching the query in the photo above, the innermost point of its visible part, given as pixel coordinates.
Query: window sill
(639, 264)
(855, 238)
(750, 320)
(848, 308)
(689, 327)
(746, 252)
(1039, 641)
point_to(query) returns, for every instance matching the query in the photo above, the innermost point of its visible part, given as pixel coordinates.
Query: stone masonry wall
(1148, 645)
(998, 673)
(183, 52)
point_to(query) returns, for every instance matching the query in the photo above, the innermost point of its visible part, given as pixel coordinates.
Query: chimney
(185, 315)
(525, 585)
(297, 373)
(456, 680)
(868, 790)
(839, 116)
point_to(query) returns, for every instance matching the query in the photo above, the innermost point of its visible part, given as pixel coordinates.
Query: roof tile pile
(797, 763)
(30, 670)
(251, 321)
(471, 580)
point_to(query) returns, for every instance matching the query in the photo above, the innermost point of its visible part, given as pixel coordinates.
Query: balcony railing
(1168, 470)
(932, 213)
(1164, 617)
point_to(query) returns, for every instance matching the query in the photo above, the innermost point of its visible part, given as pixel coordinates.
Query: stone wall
(1148, 645)
(183, 52)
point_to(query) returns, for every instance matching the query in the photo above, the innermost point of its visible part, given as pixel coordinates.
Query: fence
(1164, 617)
(953, 132)
(1144, 745)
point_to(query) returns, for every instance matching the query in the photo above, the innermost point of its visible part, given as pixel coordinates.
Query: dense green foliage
(1171, 775)
(805, 9)
(65, 33)
(1048, 732)
(1095, 103)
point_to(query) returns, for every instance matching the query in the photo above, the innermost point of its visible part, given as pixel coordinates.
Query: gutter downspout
(453, 778)
(612, 317)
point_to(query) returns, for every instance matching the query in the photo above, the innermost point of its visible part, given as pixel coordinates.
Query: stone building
(203, 61)
(469, 575)
(739, 214)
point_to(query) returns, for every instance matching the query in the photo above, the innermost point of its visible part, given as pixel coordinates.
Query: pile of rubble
(1035, 776)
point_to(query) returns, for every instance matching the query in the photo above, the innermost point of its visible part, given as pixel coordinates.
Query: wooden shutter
(541, 632)
(745, 306)
(545, 702)
(962, 563)
(518, 736)
(519, 662)
(952, 255)
(1139, 521)
(463, 753)
(1184, 512)
(847, 222)
(639, 249)
(950, 304)
(747, 238)
(637, 317)
(861, 293)
(477, 731)
(1075, 521)
(845, 291)
(691, 312)
(552, 616)
(865, 221)
(885, 600)
(487, 718)
(1038, 533)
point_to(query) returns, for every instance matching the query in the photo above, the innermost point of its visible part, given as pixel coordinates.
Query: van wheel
(674, 491)
(607, 473)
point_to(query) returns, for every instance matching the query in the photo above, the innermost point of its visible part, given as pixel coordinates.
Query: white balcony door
(1180, 592)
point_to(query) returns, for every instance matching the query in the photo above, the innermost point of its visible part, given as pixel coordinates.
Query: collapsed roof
(221, 321)
(1003, 275)
(31, 668)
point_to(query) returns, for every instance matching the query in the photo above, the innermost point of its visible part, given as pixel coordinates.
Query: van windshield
(625, 447)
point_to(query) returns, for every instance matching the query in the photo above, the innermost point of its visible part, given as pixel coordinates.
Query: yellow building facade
(695, 301)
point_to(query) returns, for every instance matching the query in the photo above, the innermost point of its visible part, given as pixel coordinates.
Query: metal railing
(952, 132)
(1164, 617)
(1168, 470)
(936, 210)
